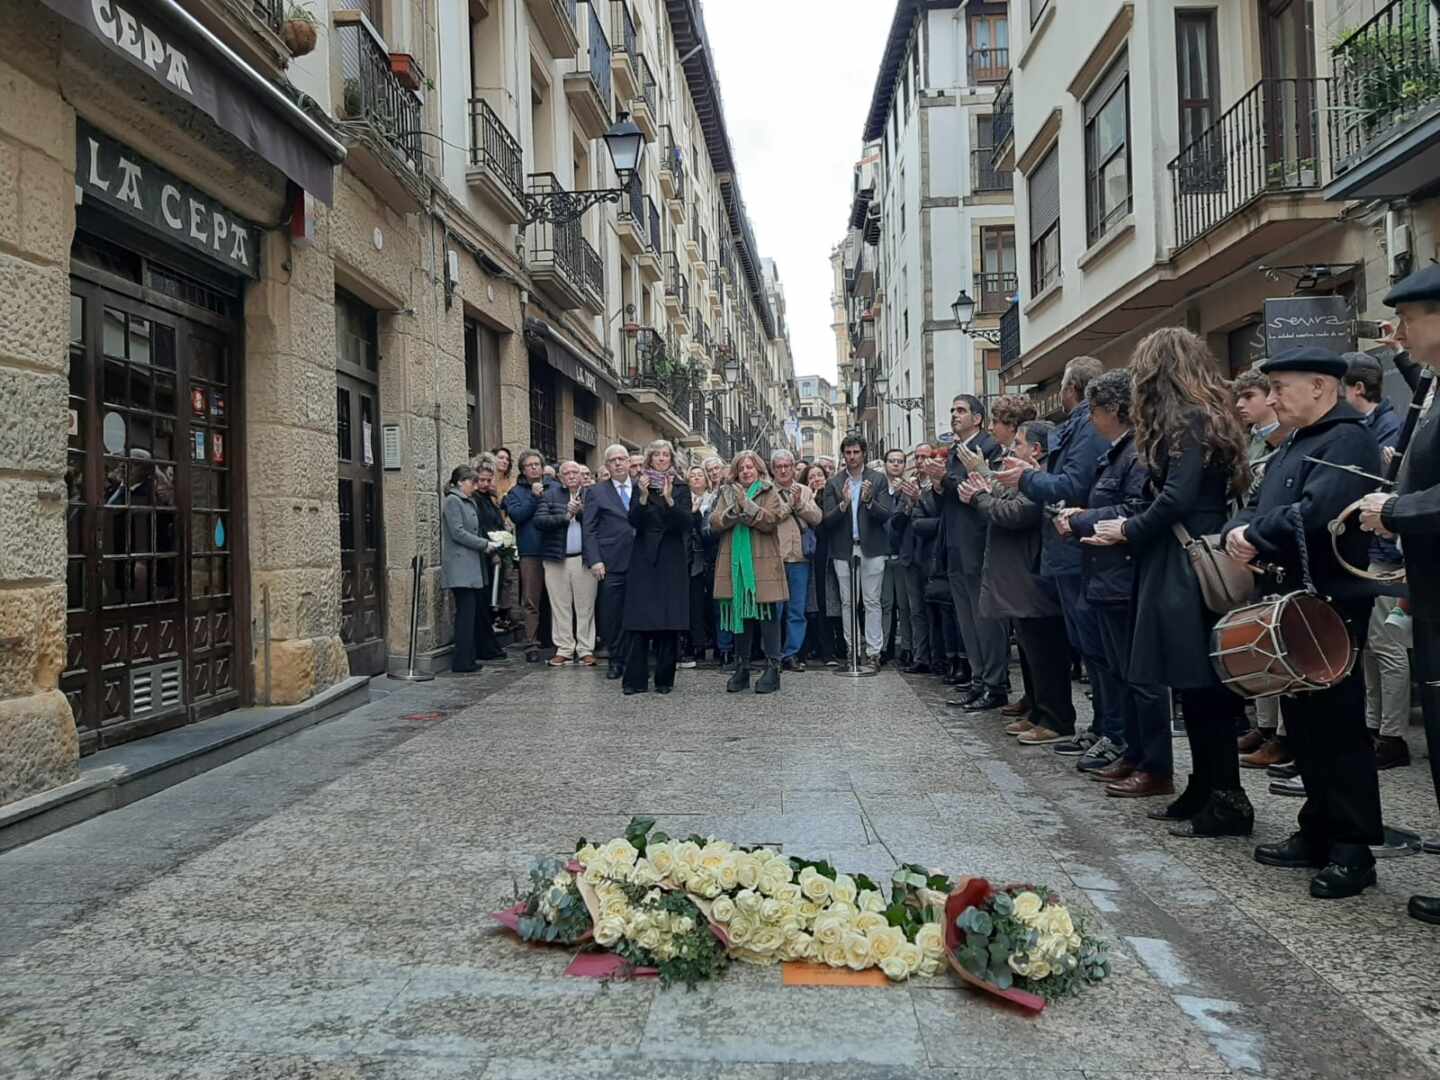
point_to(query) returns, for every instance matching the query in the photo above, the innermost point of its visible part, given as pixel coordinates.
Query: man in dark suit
(856, 504)
(607, 540)
(986, 640)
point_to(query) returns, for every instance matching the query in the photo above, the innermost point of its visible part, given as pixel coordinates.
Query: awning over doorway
(541, 337)
(167, 43)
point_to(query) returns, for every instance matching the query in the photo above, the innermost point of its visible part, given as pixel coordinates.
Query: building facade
(1222, 184)
(931, 217)
(268, 279)
(816, 416)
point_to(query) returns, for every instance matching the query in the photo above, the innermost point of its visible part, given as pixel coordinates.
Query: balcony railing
(1010, 335)
(622, 24)
(990, 65)
(492, 147)
(270, 12)
(598, 52)
(984, 175)
(563, 248)
(649, 92)
(652, 215)
(995, 290)
(632, 207)
(1002, 115)
(373, 94)
(1385, 74)
(1267, 142)
(676, 284)
(673, 162)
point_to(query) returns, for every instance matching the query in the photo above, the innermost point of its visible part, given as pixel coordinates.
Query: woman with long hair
(657, 605)
(750, 582)
(1187, 435)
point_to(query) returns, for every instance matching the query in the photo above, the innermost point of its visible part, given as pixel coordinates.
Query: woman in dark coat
(1187, 435)
(492, 519)
(657, 605)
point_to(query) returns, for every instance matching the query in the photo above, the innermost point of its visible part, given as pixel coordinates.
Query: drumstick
(1354, 470)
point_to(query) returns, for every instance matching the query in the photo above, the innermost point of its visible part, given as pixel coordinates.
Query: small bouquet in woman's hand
(502, 543)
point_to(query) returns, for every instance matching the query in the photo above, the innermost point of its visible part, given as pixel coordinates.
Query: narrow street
(317, 909)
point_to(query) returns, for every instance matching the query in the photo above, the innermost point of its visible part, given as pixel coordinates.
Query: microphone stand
(855, 669)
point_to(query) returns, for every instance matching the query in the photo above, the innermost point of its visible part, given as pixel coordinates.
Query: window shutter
(1044, 188)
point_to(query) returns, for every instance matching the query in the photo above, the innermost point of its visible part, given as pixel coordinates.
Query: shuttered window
(1043, 186)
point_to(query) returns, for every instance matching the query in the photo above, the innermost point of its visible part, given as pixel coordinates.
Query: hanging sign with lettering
(111, 173)
(1324, 321)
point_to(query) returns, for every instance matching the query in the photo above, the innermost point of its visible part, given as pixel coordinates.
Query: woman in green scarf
(749, 573)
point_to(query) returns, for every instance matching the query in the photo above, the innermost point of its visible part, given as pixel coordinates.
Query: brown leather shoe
(1251, 741)
(1141, 785)
(1016, 708)
(1018, 727)
(1040, 736)
(1118, 771)
(1274, 752)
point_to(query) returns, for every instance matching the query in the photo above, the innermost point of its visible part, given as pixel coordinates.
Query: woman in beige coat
(749, 572)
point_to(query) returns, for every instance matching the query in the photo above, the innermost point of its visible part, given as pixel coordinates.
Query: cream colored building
(816, 417)
(235, 377)
(1176, 165)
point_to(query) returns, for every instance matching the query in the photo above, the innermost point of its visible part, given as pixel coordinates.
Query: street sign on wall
(1295, 321)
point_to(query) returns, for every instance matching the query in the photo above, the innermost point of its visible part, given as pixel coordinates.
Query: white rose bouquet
(502, 543)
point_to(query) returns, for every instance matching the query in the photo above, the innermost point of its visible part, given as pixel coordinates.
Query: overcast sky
(796, 78)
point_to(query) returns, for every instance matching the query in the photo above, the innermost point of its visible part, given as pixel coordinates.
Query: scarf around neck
(742, 605)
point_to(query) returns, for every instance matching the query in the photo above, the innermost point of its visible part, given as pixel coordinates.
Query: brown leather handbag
(1225, 584)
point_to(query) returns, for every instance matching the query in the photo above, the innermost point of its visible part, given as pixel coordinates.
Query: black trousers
(700, 603)
(1332, 746)
(1427, 670)
(817, 638)
(637, 663)
(945, 643)
(468, 613)
(1047, 648)
(770, 631)
(1146, 706)
(1210, 729)
(610, 616)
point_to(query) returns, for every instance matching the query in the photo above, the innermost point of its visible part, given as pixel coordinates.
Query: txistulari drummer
(1285, 524)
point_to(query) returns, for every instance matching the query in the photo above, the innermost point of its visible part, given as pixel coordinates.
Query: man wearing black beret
(1413, 513)
(1326, 728)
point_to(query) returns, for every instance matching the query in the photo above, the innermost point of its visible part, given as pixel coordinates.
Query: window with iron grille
(1107, 151)
(1043, 186)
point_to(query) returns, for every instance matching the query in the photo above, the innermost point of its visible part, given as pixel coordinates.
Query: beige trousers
(572, 606)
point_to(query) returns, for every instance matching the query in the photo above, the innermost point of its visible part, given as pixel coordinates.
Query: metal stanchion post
(855, 670)
(418, 565)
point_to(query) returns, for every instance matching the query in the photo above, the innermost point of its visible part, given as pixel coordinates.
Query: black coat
(1172, 623)
(1321, 494)
(658, 594)
(918, 546)
(552, 522)
(1414, 514)
(1384, 424)
(965, 527)
(1070, 468)
(874, 539)
(1119, 492)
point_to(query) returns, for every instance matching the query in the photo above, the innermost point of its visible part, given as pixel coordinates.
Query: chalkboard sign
(1322, 321)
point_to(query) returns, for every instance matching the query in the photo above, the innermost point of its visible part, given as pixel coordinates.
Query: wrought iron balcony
(677, 285)
(633, 220)
(996, 291)
(672, 166)
(589, 88)
(270, 12)
(1002, 118)
(371, 92)
(496, 160)
(990, 65)
(1010, 335)
(985, 175)
(1386, 75)
(561, 259)
(1267, 143)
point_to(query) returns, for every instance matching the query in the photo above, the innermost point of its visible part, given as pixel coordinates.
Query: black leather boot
(769, 682)
(1226, 813)
(1425, 908)
(1191, 801)
(740, 679)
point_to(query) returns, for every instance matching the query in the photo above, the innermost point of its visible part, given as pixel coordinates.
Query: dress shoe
(919, 667)
(1116, 770)
(1425, 908)
(1017, 708)
(1391, 752)
(986, 702)
(1251, 741)
(1292, 853)
(1227, 813)
(1294, 787)
(663, 689)
(1191, 801)
(1141, 785)
(636, 690)
(1338, 881)
(614, 671)
(1019, 727)
(532, 656)
(1287, 771)
(1272, 752)
(1040, 736)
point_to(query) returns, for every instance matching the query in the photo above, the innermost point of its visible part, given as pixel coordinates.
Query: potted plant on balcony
(404, 68)
(299, 30)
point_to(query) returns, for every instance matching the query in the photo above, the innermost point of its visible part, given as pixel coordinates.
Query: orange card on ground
(795, 973)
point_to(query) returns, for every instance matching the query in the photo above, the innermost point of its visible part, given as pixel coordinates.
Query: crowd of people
(1075, 541)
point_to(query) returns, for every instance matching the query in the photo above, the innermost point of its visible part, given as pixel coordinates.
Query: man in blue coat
(521, 505)
(1074, 462)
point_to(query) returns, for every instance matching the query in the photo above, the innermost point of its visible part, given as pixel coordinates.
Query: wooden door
(1288, 66)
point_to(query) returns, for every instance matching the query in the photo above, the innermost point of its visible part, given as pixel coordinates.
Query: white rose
(620, 851)
(712, 857)
(1019, 963)
(808, 910)
(723, 846)
(870, 900)
(747, 871)
(661, 857)
(829, 929)
(857, 950)
(789, 893)
(843, 889)
(772, 910)
(912, 956)
(645, 873)
(609, 930)
(1039, 969)
(649, 938)
(931, 941)
(885, 941)
(798, 945)
(845, 910)
(585, 854)
(834, 955)
(814, 886)
(1027, 906)
(687, 852)
(728, 876)
(929, 967)
(774, 874)
(748, 901)
(741, 929)
(723, 910)
(895, 969)
(762, 855)
(616, 906)
(867, 921)
(767, 939)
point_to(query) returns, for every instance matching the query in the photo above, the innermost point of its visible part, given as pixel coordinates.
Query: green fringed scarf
(742, 605)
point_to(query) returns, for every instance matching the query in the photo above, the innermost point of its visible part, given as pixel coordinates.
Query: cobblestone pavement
(316, 909)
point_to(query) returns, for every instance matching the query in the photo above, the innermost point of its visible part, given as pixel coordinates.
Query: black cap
(1356, 362)
(1307, 358)
(1421, 285)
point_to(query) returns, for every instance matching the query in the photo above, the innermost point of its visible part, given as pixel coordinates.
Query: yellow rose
(1027, 906)
(661, 857)
(843, 889)
(620, 851)
(829, 929)
(723, 910)
(608, 931)
(867, 921)
(870, 900)
(931, 940)
(747, 871)
(834, 955)
(885, 941)
(894, 969)
(858, 954)
(814, 886)
(774, 874)
(911, 955)
(687, 852)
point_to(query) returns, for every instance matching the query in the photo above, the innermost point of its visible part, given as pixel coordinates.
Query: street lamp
(964, 311)
(731, 370)
(625, 142)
